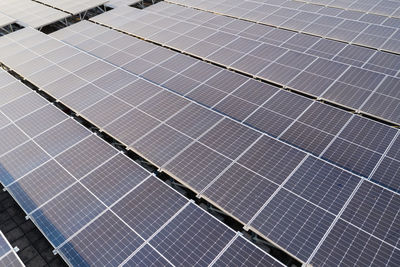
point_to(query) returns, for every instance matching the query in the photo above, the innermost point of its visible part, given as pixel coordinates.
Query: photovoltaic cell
(348, 245)
(147, 256)
(106, 111)
(11, 137)
(41, 120)
(85, 156)
(194, 120)
(293, 223)
(322, 184)
(23, 105)
(242, 253)
(163, 105)
(137, 92)
(368, 133)
(40, 185)
(20, 161)
(240, 192)
(288, 104)
(115, 178)
(67, 213)
(352, 157)
(307, 138)
(268, 121)
(192, 238)
(161, 144)
(235, 107)
(271, 159)
(149, 206)
(375, 210)
(131, 126)
(61, 137)
(229, 138)
(197, 166)
(107, 242)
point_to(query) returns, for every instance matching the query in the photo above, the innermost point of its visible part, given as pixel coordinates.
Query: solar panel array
(8, 257)
(201, 159)
(31, 13)
(95, 205)
(361, 28)
(294, 170)
(352, 76)
(118, 3)
(382, 7)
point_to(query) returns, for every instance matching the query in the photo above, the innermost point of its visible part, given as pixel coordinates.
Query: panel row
(31, 13)
(277, 56)
(98, 207)
(314, 127)
(378, 32)
(199, 165)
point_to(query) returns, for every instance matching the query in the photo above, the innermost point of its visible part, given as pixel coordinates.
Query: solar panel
(147, 256)
(181, 238)
(234, 255)
(58, 221)
(85, 156)
(240, 191)
(113, 179)
(297, 232)
(38, 186)
(107, 241)
(197, 166)
(348, 245)
(229, 138)
(149, 206)
(161, 144)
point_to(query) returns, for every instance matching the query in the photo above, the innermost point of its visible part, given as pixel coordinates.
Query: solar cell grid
(138, 92)
(192, 238)
(235, 255)
(323, 184)
(197, 166)
(40, 185)
(375, 210)
(131, 126)
(67, 213)
(147, 256)
(23, 105)
(41, 120)
(348, 245)
(163, 105)
(194, 120)
(149, 206)
(236, 188)
(82, 98)
(106, 111)
(293, 223)
(20, 161)
(107, 241)
(229, 138)
(61, 136)
(305, 137)
(12, 137)
(265, 158)
(113, 179)
(4, 245)
(12, 260)
(268, 121)
(161, 144)
(85, 156)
